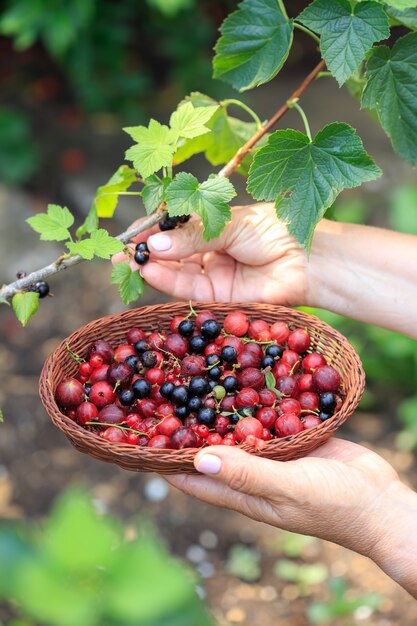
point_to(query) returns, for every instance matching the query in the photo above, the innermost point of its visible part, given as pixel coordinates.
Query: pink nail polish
(209, 464)
(160, 242)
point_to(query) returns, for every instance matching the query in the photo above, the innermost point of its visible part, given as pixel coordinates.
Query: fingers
(184, 283)
(245, 473)
(185, 241)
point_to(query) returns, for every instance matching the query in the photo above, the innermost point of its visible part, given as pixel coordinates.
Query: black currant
(229, 354)
(142, 247)
(234, 418)
(183, 219)
(214, 373)
(210, 329)
(194, 403)
(198, 386)
(230, 384)
(186, 328)
(206, 416)
(126, 397)
(212, 384)
(141, 257)
(141, 346)
(247, 411)
(166, 389)
(169, 223)
(182, 411)
(274, 350)
(327, 402)
(197, 344)
(213, 359)
(87, 389)
(324, 416)
(42, 288)
(267, 361)
(141, 388)
(180, 395)
(132, 361)
(149, 358)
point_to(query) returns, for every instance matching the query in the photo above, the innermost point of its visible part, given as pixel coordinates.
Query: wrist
(322, 261)
(395, 547)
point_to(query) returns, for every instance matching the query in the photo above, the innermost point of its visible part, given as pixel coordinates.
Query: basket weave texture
(334, 346)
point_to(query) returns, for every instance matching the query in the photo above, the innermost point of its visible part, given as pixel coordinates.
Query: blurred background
(72, 74)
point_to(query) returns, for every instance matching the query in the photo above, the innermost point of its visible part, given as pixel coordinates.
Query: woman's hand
(341, 492)
(254, 259)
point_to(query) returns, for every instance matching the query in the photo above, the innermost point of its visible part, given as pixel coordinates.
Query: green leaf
(90, 223)
(346, 33)
(401, 4)
(84, 247)
(391, 90)
(52, 225)
(25, 305)
(154, 192)
(209, 200)
(406, 18)
(105, 200)
(1, 416)
(189, 122)
(99, 244)
(254, 44)
(304, 177)
(105, 245)
(155, 147)
(271, 383)
(244, 562)
(227, 135)
(130, 282)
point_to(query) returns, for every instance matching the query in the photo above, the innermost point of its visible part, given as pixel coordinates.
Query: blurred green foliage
(339, 605)
(244, 562)
(18, 151)
(79, 569)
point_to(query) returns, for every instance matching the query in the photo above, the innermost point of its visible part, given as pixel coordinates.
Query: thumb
(247, 473)
(183, 242)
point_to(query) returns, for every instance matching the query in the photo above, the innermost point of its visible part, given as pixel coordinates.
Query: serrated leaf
(25, 305)
(105, 200)
(153, 193)
(52, 225)
(254, 44)
(401, 4)
(104, 244)
(304, 177)
(209, 200)
(90, 223)
(407, 18)
(130, 283)
(99, 244)
(391, 90)
(227, 135)
(155, 147)
(188, 121)
(346, 33)
(84, 247)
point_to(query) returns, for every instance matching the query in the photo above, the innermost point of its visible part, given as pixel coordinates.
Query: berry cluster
(203, 384)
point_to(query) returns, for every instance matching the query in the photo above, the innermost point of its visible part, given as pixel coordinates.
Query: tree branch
(62, 263)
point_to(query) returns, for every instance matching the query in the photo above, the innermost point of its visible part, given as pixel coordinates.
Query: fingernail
(209, 464)
(160, 242)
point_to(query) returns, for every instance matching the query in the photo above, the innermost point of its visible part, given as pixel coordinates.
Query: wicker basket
(325, 339)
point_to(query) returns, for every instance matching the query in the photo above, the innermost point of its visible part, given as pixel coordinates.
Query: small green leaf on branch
(154, 148)
(154, 192)
(401, 4)
(130, 282)
(346, 33)
(54, 224)
(90, 223)
(1, 416)
(391, 90)
(99, 244)
(189, 122)
(209, 200)
(407, 18)
(254, 44)
(105, 200)
(25, 305)
(304, 177)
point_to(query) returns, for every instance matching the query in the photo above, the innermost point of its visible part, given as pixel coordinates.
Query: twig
(8, 291)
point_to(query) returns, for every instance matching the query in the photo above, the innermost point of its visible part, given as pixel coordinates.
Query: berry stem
(293, 104)
(307, 31)
(246, 108)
